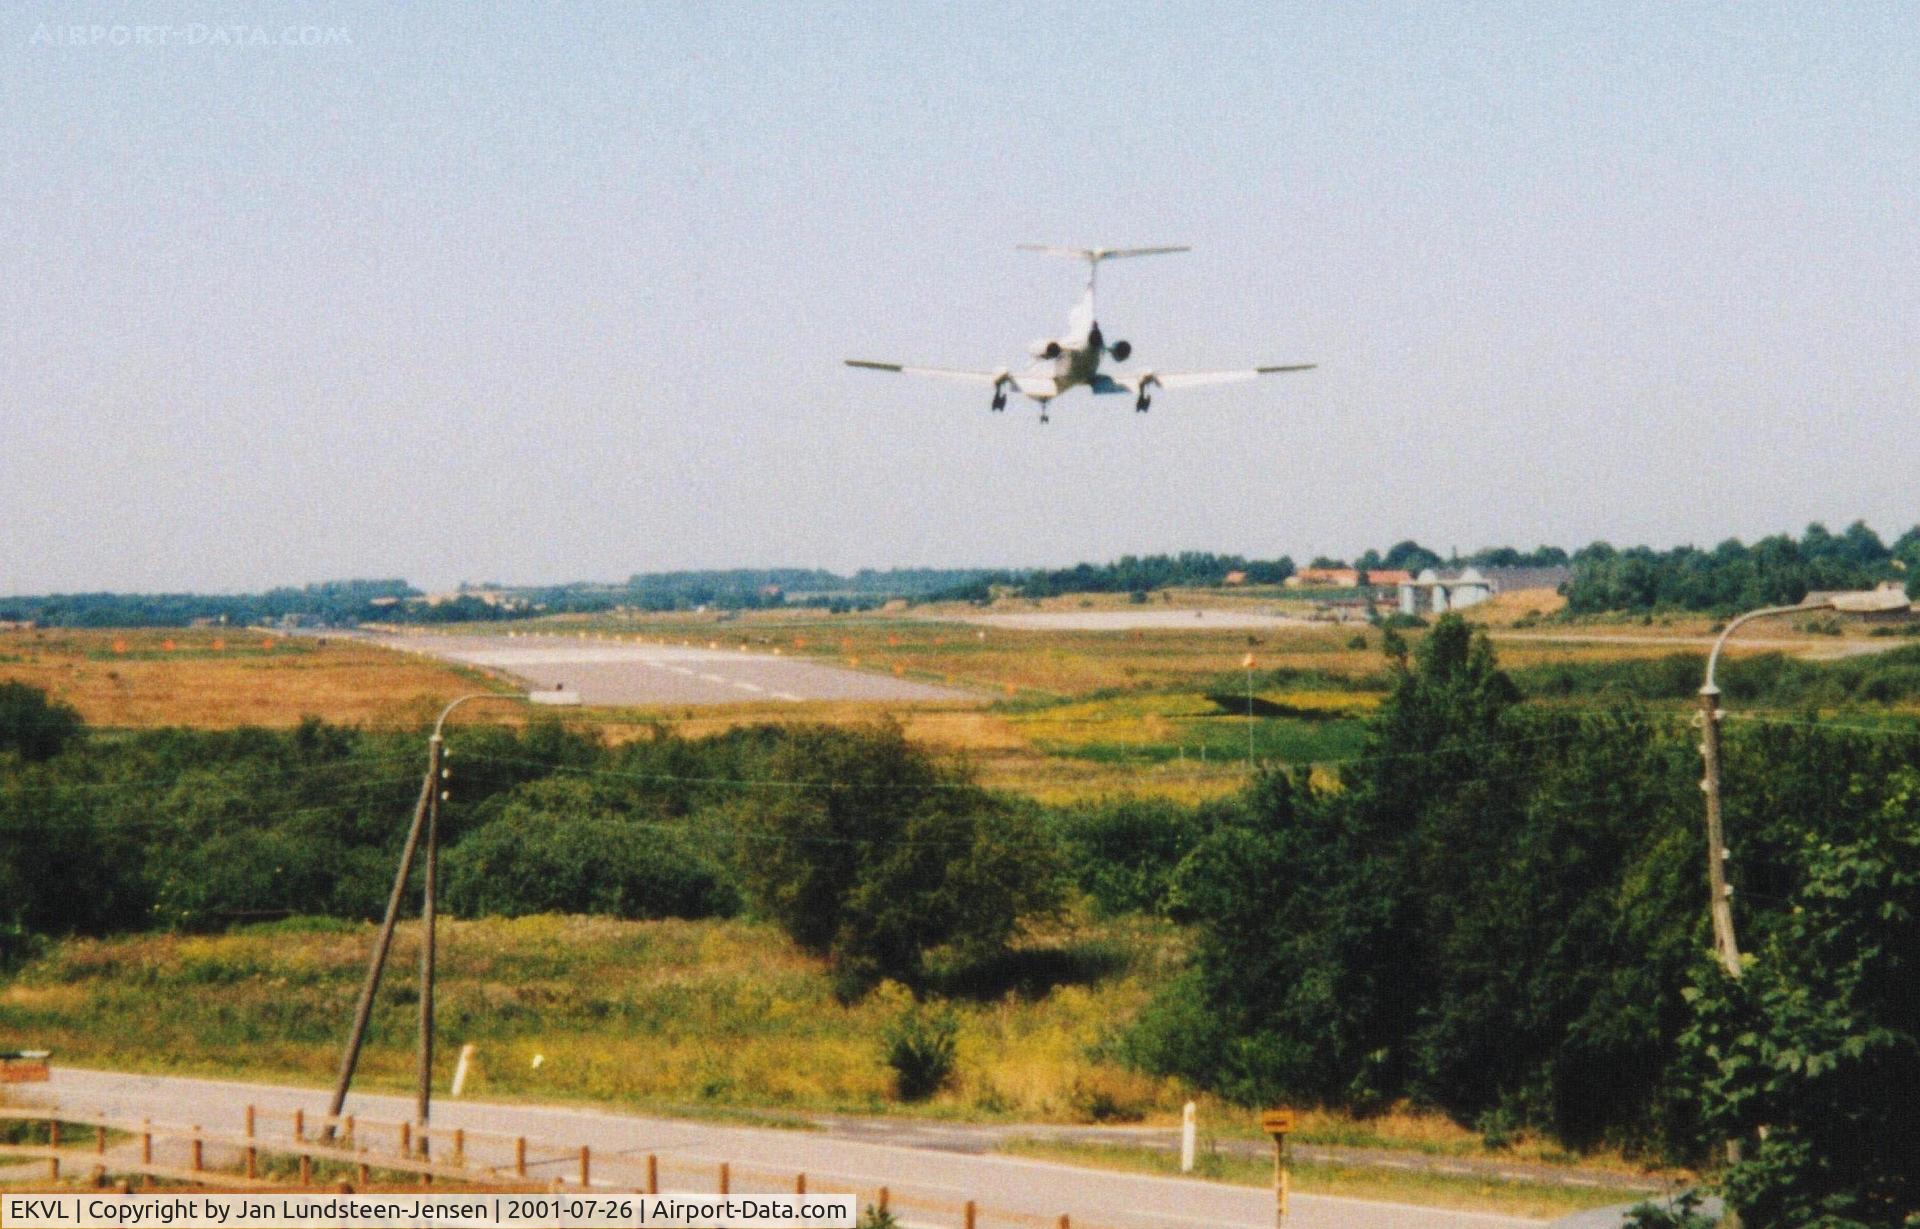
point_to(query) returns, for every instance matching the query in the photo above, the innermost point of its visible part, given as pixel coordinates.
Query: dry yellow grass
(224, 678)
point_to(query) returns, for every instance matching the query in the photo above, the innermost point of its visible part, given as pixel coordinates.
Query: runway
(610, 671)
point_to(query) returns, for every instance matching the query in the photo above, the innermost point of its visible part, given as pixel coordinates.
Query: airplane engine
(1120, 350)
(1044, 349)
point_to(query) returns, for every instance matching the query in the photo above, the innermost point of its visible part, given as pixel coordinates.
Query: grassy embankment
(1514, 1197)
(705, 1017)
(207, 678)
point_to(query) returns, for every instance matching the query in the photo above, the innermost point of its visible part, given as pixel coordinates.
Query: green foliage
(1813, 1055)
(871, 853)
(1679, 1213)
(876, 1218)
(921, 1046)
(1123, 854)
(1774, 571)
(33, 727)
(1770, 680)
(1496, 912)
(563, 846)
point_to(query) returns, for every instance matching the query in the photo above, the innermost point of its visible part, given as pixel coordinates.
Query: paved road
(615, 671)
(928, 1187)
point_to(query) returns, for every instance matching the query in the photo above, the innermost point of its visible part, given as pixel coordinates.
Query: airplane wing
(945, 373)
(1198, 379)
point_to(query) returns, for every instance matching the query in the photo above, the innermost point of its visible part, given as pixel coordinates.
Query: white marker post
(1187, 1117)
(460, 1070)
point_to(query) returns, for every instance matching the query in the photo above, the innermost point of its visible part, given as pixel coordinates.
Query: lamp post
(426, 820)
(1719, 904)
(1719, 907)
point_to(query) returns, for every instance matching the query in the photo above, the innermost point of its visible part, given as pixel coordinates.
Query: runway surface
(614, 671)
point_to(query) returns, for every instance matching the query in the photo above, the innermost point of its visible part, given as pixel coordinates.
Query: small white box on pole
(1187, 1117)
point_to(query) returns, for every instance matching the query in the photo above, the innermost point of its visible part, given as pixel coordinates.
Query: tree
(1813, 1055)
(34, 727)
(563, 846)
(868, 852)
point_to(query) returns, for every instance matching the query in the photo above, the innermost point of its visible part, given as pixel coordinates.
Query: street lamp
(426, 819)
(1719, 906)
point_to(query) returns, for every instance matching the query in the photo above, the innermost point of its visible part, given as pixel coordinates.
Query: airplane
(1068, 362)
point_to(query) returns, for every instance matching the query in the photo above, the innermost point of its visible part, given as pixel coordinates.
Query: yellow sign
(1277, 1122)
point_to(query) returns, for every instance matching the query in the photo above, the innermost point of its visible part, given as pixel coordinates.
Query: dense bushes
(871, 853)
(32, 727)
(560, 846)
(1498, 910)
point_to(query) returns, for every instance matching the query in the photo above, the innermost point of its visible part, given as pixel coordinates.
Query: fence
(349, 1153)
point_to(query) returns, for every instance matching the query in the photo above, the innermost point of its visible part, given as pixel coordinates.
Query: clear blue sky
(535, 294)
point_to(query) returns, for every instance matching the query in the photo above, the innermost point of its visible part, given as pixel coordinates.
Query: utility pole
(426, 819)
(1248, 664)
(378, 963)
(436, 794)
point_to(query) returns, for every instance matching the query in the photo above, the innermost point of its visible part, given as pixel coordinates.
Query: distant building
(1437, 591)
(1234, 578)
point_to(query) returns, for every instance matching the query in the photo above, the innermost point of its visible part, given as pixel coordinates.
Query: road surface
(928, 1188)
(614, 671)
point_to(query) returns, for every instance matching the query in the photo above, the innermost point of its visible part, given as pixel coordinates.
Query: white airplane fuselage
(1073, 359)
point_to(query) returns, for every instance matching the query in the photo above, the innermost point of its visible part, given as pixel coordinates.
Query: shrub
(921, 1046)
(557, 847)
(32, 725)
(872, 854)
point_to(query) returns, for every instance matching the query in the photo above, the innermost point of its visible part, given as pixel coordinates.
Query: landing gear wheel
(1140, 406)
(999, 402)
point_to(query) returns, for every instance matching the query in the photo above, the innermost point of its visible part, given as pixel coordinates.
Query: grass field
(706, 1017)
(1541, 1200)
(220, 679)
(641, 1014)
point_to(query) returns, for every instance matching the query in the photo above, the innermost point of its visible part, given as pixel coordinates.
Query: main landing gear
(999, 400)
(1141, 406)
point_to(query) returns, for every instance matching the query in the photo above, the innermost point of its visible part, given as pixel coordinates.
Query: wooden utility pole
(436, 794)
(375, 966)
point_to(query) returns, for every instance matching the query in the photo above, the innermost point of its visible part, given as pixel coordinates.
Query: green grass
(671, 1014)
(1541, 1200)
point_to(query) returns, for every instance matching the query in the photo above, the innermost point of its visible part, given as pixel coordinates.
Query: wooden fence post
(726, 1179)
(306, 1170)
(253, 1153)
(585, 1178)
(53, 1141)
(100, 1149)
(800, 1184)
(146, 1141)
(653, 1174)
(972, 1214)
(883, 1199)
(460, 1147)
(300, 1125)
(199, 1156)
(520, 1156)
(406, 1139)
